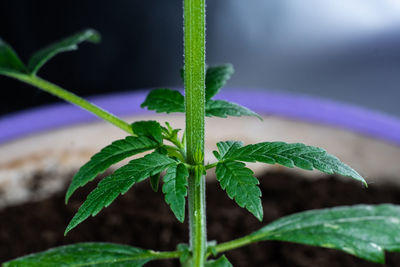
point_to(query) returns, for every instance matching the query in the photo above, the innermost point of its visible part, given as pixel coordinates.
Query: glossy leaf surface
(85, 255)
(117, 151)
(289, 155)
(9, 60)
(164, 100)
(39, 58)
(240, 185)
(223, 109)
(216, 78)
(175, 189)
(119, 183)
(151, 129)
(366, 231)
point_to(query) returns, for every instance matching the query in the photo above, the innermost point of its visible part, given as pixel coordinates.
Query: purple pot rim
(293, 106)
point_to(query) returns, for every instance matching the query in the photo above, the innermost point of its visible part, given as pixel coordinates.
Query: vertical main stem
(194, 50)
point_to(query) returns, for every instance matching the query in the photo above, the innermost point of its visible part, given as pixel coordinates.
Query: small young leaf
(365, 231)
(164, 100)
(151, 129)
(221, 262)
(216, 78)
(223, 109)
(155, 181)
(290, 155)
(119, 182)
(84, 255)
(117, 151)
(9, 60)
(39, 58)
(241, 185)
(185, 250)
(175, 189)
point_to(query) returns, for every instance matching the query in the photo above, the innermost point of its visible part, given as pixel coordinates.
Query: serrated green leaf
(9, 60)
(164, 100)
(118, 183)
(108, 156)
(223, 109)
(241, 185)
(221, 262)
(39, 58)
(85, 255)
(225, 148)
(290, 155)
(366, 231)
(175, 189)
(151, 129)
(216, 78)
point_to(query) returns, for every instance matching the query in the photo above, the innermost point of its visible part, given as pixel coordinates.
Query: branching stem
(194, 50)
(72, 98)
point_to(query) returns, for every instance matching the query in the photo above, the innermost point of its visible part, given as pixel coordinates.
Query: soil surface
(141, 218)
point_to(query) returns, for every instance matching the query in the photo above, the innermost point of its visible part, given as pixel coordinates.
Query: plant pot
(40, 149)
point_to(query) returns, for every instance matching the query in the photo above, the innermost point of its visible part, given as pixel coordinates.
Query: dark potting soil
(141, 218)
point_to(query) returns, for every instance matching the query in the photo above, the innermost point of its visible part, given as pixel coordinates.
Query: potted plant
(366, 231)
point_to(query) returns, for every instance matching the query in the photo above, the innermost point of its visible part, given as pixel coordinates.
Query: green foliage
(151, 129)
(216, 78)
(221, 262)
(175, 189)
(289, 155)
(169, 101)
(185, 252)
(155, 181)
(164, 100)
(241, 185)
(39, 58)
(85, 255)
(223, 109)
(108, 156)
(9, 60)
(366, 231)
(119, 183)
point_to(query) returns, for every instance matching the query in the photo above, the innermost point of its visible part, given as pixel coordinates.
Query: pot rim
(288, 105)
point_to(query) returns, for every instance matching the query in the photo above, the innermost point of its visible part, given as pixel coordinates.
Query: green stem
(164, 254)
(72, 98)
(194, 49)
(236, 243)
(212, 165)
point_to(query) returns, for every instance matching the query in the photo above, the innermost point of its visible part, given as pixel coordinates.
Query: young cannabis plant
(366, 231)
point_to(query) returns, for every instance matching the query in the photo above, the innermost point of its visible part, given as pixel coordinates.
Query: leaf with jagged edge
(9, 60)
(365, 231)
(289, 155)
(164, 100)
(220, 262)
(39, 58)
(151, 129)
(118, 183)
(175, 189)
(223, 109)
(85, 255)
(109, 155)
(169, 101)
(240, 185)
(216, 78)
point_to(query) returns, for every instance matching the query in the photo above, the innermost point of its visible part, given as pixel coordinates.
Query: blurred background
(347, 50)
